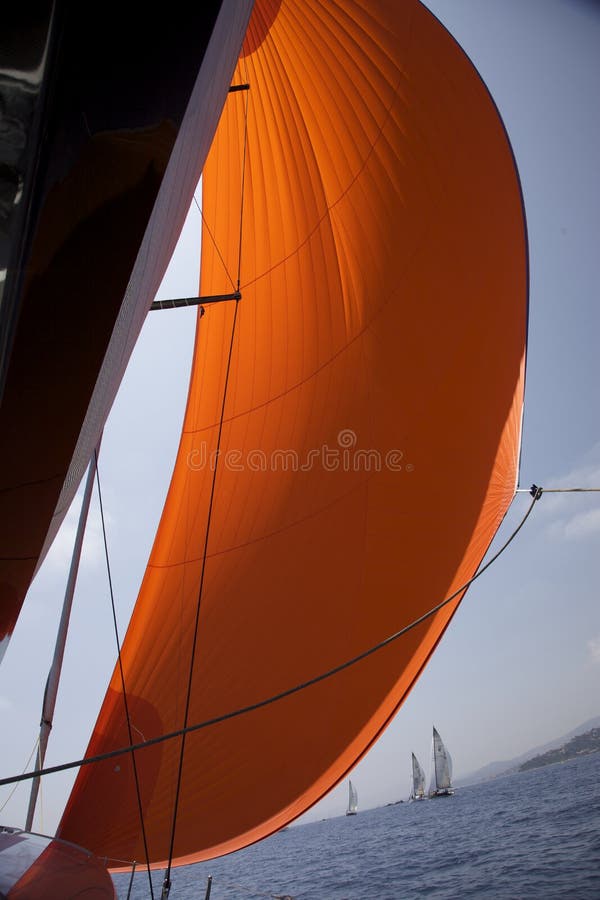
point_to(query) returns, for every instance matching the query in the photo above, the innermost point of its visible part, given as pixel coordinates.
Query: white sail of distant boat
(352, 800)
(418, 781)
(441, 769)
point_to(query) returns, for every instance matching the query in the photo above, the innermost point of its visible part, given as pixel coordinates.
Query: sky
(520, 662)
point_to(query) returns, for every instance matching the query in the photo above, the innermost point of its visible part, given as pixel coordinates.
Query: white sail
(418, 779)
(352, 800)
(441, 770)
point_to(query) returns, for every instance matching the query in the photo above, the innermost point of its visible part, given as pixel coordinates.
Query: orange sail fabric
(371, 425)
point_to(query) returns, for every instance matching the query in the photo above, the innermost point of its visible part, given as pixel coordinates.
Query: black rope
(167, 882)
(122, 674)
(216, 720)
(167, 878)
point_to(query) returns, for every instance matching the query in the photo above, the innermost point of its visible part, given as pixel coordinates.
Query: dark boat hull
(98, 166)
(36, 867)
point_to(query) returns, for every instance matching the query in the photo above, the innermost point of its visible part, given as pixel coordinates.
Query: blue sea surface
(529, 835)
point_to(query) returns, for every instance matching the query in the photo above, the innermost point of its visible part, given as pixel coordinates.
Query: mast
(51, 691)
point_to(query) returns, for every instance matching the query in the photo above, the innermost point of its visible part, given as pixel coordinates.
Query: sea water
(529, 835)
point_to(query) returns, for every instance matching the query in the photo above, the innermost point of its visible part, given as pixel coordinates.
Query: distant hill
(581, 745)
(507, 766)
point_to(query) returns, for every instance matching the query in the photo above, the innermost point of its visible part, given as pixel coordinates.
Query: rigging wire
(536, 493)
(167, 879)
(214, 241)
(122, 674)
(11, 795)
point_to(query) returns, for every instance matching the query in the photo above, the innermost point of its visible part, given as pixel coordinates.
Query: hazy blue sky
(520, 663)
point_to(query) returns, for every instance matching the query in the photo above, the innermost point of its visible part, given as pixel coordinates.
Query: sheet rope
(536, 493)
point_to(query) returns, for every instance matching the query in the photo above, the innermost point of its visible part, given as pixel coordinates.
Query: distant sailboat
(441, 769)
(352, 800)
(418, 781)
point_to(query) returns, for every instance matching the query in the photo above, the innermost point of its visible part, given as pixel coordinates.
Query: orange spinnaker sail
(371, 424)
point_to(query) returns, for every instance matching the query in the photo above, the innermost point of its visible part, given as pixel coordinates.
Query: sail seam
(330, 206)
(313, 374)
(359, 486)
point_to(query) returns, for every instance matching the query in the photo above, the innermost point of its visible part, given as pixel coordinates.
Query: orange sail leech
(371, 424)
